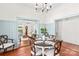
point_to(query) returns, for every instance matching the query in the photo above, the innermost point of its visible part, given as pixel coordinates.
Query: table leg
(42, 51)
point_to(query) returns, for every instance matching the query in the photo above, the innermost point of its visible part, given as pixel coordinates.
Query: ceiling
(28, 5)
(13, 10)
(32, 5)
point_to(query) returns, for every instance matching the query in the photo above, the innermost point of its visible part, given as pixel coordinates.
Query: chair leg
(13, 47)
(5, 50)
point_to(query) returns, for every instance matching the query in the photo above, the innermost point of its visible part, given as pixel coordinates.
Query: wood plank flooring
(67, 49)
(23, 50)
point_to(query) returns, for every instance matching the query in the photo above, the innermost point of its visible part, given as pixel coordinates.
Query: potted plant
(44, 31)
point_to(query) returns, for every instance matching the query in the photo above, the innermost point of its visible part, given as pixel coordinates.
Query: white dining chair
(35, 51)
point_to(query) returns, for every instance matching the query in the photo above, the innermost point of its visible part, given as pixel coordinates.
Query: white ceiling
(13, 10)
(27, 5)
(32, 5)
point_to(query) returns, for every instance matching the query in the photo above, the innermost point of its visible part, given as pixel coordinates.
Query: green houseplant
(43, 30)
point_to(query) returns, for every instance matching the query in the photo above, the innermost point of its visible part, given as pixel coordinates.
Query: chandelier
(43, 7)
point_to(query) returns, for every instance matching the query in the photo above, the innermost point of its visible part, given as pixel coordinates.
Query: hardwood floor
(67, 49)
(24, 50)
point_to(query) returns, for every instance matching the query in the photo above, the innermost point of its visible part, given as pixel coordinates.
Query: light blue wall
(9, 28)
(37, 28)
(51, 28)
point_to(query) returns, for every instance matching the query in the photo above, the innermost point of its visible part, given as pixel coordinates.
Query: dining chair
(52, 37)
(55, 50)
(35, 51)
